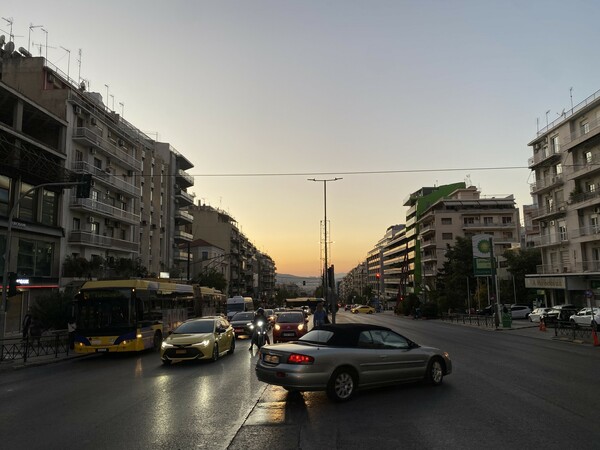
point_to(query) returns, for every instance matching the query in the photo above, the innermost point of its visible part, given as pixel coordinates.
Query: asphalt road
(508, 390)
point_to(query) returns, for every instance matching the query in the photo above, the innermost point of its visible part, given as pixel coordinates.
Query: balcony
(543, 156)
(105, 210)
(106, 178)
(427, 229)
(88, 137)
(488, 226)
(549, 211)
(182, 236)
(183, 198)
(550, 239)
(586, 234)
(183, 217)
(181, 255)
(546, 184)
(95, 240)
(183, 179)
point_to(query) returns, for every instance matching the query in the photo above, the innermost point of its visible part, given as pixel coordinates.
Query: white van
(237, 304)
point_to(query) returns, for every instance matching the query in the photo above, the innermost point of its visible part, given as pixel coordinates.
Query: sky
(389, 96)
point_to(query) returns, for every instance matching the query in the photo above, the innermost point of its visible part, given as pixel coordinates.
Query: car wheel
(342, 385)
(435, 372)
(157, 340)
(231, 346)
(215, 353)
(166, 362)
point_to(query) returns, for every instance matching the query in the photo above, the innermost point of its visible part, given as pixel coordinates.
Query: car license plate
(100, 350)
(179, 352)
(273, 359)
(289, 334)
(239, 330)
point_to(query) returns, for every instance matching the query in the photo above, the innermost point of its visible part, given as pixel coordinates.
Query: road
(508, 390)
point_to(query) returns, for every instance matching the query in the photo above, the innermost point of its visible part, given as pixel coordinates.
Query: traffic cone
(596, 341)
(542, 325)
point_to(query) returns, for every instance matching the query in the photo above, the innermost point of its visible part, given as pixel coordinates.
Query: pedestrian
(320, 316)
(26, 323)
(71, 327)
(36, 329)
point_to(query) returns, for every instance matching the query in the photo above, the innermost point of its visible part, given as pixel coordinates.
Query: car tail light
(296, 358)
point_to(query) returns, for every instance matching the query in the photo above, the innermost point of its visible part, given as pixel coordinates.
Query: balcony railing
(107, 178)
(96, 207)
(542, 156)
(546, 183)
(579, 267)
(183, 216)
(550, 239)
(180, 255)
(182, 236)
(88, 238)
(88, 136)
(560, 208)
(592, 231)
(184, 198)
(184, 178)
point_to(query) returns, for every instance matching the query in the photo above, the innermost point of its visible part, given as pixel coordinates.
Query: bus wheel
(157, 340)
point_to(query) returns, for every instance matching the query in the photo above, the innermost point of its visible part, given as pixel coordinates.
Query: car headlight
(165, 345)
(277, 326)
(301, 326)
(203, 343)
(251, 326)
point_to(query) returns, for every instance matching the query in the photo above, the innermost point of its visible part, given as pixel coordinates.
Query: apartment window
(559, 169)
(49, 207)
(507, 235)
(562, 231)
(587, 156)
(447, 221)
(488, 220)
(447, 236)
(94, 195)
(584, 127)
(594, 227)
(507, 220)
(95, 227)
(468, 220)
(204, 255)
(4, 195)
(27, 204)
(76, 223)
(555, 144)
(590, 187)
(35, 258)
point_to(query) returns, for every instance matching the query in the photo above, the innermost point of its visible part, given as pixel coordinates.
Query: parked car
(519, 311)
(584, 317)
(348, 307)
(341, 358)
(241, 322)
(363, 309)
(560, 313)
(206, 338)
(289, 326)
(537, 313)
(487, 311)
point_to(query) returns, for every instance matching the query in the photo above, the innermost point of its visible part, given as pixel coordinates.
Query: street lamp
(325, 283)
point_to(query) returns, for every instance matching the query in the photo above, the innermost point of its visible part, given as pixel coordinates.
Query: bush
(429, 310)
(53, 310)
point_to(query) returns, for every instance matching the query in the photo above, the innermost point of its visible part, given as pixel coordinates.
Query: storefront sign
(545, 282)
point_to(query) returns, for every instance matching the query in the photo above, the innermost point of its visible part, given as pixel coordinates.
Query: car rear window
(317, 336)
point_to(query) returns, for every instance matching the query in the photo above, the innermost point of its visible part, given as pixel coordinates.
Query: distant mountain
(282, 278)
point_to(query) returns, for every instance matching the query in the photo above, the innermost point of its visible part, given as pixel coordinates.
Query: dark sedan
(341, 358)
(241, 323)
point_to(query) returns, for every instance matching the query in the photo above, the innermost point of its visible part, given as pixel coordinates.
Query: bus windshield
(105, 309)
(235, 307)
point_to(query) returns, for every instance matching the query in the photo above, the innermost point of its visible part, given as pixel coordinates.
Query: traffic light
(85, 186)
(377, 276)
(12, 284)
(331, 277)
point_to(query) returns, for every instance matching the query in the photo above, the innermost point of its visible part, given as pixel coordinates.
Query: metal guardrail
(472, 319)
(12, 349)
(563, 328)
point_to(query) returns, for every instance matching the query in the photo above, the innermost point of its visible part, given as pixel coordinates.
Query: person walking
(71, 327)
(26, 324)
(320, 316)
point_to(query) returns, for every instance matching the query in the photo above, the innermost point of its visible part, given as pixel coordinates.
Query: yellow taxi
(365, 309)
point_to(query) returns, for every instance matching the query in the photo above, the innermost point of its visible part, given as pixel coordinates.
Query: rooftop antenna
(2, 40)
(468, 180)
(547, 125)
(122, 108)
(11, 36)
(571, 95)
(68, 62)
(46, 31)
(31, 27)
(79, 64)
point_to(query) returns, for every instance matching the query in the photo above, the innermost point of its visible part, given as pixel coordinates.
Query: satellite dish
(9, 48)
(2, 40)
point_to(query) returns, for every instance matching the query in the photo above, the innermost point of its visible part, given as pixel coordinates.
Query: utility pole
(326, 241)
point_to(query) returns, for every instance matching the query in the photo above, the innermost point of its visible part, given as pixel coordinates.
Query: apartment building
(565, 161)
(136, 209)
(465, 213)
(395, 267)
(354, 283)
(246, 265)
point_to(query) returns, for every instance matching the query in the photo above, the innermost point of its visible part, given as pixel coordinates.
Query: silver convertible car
(341, 358)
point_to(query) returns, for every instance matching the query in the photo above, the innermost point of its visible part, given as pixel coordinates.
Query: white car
(537, 313)
(584, 317)
(519, 311)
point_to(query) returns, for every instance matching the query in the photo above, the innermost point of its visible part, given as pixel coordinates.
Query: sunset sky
(389, 95)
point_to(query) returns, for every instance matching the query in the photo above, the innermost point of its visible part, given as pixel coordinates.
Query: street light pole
(325, 281)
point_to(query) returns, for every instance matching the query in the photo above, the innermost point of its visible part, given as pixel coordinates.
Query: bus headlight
(139, 335)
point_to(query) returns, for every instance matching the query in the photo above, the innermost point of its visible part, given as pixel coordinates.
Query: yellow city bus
(210, 301)
(129, 315)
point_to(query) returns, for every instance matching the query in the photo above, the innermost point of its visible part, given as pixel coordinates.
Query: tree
(520, 263)
(456, 275)
(211, 278)
(53, 310)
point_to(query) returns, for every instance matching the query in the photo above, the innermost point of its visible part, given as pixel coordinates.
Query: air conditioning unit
(77, 110)
(90, 219)
(93, 121)
(552, 223)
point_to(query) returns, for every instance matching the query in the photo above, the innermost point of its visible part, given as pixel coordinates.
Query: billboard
(482, 255)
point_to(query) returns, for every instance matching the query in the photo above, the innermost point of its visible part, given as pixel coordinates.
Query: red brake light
(296, 358)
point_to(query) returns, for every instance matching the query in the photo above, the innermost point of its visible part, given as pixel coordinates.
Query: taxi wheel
(215, 353)
(166, 362)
